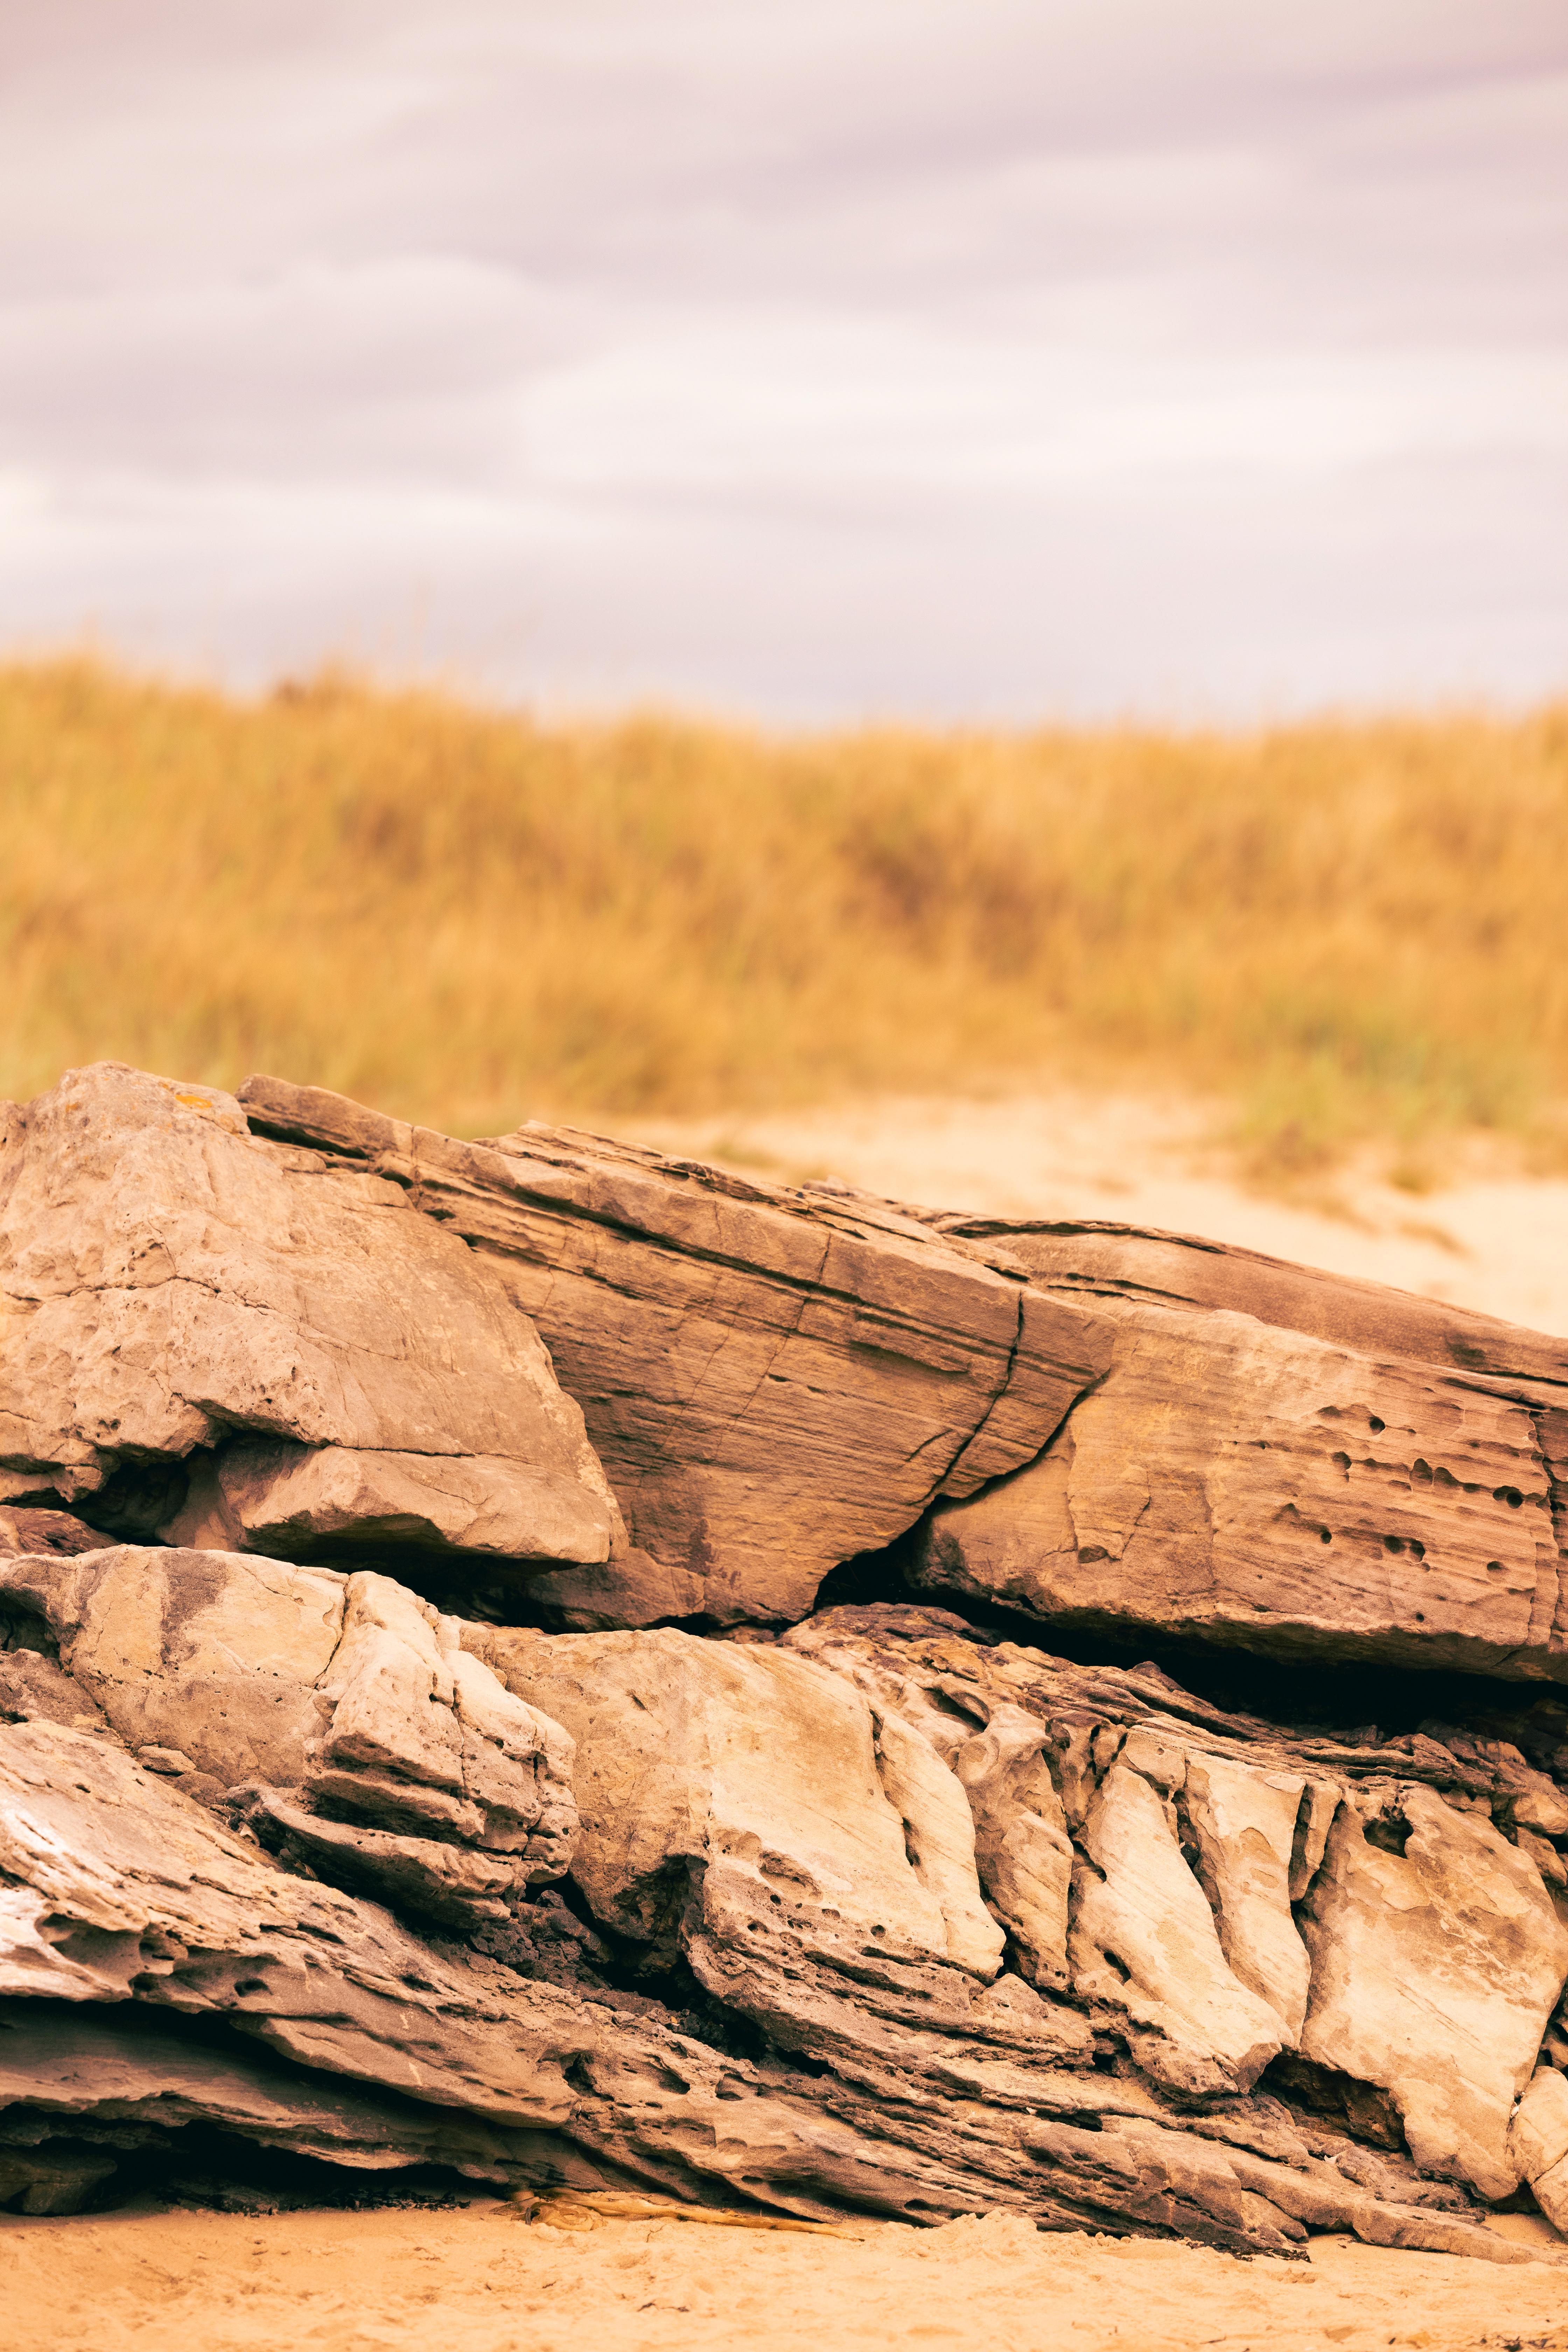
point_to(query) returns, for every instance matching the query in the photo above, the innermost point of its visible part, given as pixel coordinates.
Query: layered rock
(1277, 1461)
(374, 1746)
(930, 2093)
(213, 1337)
(1370, 1909)
(774, 1380)
(876, 1912)
(695, 1758)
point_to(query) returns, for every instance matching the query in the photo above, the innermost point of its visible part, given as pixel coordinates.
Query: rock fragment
(170, 1279)
(347, 1690)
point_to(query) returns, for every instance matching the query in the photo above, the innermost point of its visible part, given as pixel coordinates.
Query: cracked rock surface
(1283, 1462)
(725, 1890)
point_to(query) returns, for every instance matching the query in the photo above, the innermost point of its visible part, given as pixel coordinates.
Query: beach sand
(481, 2279)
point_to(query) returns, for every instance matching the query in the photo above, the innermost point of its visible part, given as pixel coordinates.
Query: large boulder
(211, 1335)
(762, 1830)
(774, 1380)
(1279, 1462)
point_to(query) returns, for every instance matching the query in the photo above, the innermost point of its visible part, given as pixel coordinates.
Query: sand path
(480, 2280)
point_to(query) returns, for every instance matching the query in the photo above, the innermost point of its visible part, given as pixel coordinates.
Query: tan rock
(1231, 1481)
(347, 1688)
(1021, 1843)
(1467, 1934)
(1245, 1822)
(62, 2067)
(774, 1380)
(207, 1651)
(167, 1278)
(929, 2091)
(1144, 1937)
(1539, 2139)
(1100, 1261)
(939, 1841)
(688, 1750)
(23, 1531)
(1434, 1971)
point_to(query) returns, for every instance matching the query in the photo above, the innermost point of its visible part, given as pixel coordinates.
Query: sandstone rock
(1245, 1823)
(34, 1687)
(1437, 1958)
(1433, 1971)
(690, 1750)
(1021, 1849)
(1539, 2142)
(1231, 1481)
(1143, 1935)
(126, 2077)
(347, 1688)
(774, 1380)
(23, 1530)
(1101, 1263)
(930, 2092)
(168, 1279)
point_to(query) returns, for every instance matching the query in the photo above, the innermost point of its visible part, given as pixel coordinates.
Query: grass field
(1343, 930)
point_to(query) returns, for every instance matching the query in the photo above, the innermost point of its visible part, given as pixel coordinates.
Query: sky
(950, 361)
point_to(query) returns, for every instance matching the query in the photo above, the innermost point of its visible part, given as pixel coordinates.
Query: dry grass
(1346, 930)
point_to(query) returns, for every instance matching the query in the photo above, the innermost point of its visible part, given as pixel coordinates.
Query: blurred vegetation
(1346, 930)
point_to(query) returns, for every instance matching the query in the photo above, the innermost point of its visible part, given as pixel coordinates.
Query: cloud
(964, 358)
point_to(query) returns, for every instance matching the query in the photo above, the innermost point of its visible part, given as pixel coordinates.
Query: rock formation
(425, 1749)
(1273, 1459)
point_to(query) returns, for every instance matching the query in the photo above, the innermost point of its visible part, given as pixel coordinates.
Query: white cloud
(966, 357)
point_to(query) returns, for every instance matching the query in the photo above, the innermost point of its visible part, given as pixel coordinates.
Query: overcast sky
(947, 358)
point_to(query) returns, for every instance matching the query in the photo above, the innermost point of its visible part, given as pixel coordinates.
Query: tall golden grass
(464, 915)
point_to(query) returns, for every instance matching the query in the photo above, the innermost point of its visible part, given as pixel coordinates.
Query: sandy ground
(480, 2280)
(1487, 1236)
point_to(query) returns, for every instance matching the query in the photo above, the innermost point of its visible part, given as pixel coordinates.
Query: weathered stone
(774, 1380)
(1231, 1481)
(1101, 1262)
(167, 1279)
(1245, 1823)
(1436, 1960)
(1022, 1848)
(126, 2077)
(23, 1531)
(1433, 1971)
(1144, 1937)
(1539, 2142)
(348, 1689)
(930, 2092)
(690, 1750)
(32, 1686)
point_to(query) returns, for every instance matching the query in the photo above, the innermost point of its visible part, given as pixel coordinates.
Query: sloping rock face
(1235, 1895)
(313, 1368)
(692, 1756)
(824, 1909)
(1279, 1461)
(773, 1381)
